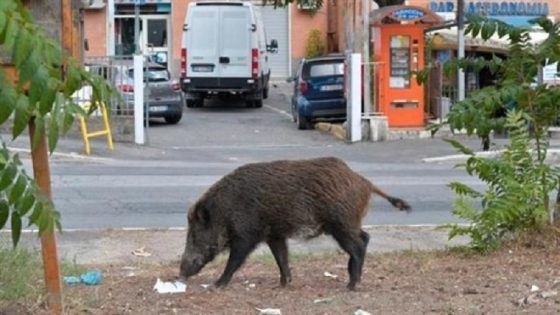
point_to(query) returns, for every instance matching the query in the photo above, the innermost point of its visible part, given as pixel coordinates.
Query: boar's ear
(201, 215)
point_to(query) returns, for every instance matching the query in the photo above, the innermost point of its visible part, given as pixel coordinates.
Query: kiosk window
(400, 62)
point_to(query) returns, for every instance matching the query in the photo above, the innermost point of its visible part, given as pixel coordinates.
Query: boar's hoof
(351, 286)
(221, 283)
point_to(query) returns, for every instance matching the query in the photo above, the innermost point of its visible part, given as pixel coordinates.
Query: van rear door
(219, 41)
(202, 38)
(235, 43)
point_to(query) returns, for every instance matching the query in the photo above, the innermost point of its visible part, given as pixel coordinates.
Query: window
(323, 69)
(400, 62)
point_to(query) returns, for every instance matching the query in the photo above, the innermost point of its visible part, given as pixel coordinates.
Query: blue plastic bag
(91, 278)
(71, 280)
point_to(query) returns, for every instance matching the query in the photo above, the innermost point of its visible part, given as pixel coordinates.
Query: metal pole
(41, 172)
(460, 48)
(110, 27)
(366, 60)
(136, 29)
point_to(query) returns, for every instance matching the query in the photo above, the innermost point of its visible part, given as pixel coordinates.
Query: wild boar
(273, 201)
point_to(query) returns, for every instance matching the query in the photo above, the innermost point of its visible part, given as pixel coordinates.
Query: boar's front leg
(279, 249)
(239, 250)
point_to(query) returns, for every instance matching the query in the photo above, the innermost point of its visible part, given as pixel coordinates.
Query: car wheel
(258, 103)
(191, 103)
(249, 104)
(302, 122)
(199, 103)
(173, 119)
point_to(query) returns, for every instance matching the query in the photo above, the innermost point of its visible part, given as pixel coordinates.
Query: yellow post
(105, 131)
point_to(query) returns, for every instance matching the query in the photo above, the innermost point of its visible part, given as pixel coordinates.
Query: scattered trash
(252, 285)
(206, 286)
(91, 278)
(71, 280)
(531, 299)
(170, 287)
(330, 275)
(361, 312)
(141, 252)
(322, 301)
(88, 278)
(534, 288)
(270, 311)
(548, 294)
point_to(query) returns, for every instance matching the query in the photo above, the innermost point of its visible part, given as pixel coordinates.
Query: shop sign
(408, 14)
(504, 8)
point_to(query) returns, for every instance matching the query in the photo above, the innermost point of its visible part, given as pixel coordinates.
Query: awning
(447, 39)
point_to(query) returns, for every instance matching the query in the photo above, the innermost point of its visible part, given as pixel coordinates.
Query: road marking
(182, 229)
(72, 155)
(283, 112)
(486, 154)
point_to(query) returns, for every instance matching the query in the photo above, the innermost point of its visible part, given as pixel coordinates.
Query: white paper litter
(330, 275)
(361, 312)
(170, 287)
(270, 311)
(534, 288)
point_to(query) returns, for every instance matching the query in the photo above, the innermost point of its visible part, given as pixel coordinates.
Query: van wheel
(173, 119)
(265, 91)
(302, 122)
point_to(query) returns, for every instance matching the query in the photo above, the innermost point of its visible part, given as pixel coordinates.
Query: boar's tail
(396, 202)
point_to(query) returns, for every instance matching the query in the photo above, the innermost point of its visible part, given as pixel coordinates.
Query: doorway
(153, 37)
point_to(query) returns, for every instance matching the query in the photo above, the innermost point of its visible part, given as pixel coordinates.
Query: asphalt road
(153, 185)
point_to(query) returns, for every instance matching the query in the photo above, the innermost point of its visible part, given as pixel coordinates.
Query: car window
(152, 74)
(322, 69)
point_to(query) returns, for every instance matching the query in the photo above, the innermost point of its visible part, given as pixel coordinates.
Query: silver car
(163, 97)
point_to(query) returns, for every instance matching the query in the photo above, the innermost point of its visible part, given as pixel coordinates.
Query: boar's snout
(190, 265)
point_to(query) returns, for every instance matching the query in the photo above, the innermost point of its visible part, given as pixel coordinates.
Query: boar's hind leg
(355, 245)
(279, 249)
(238, 252)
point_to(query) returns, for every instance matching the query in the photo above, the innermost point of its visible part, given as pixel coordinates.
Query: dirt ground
(518, 279)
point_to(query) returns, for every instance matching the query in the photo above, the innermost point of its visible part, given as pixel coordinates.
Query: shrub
(315, 44)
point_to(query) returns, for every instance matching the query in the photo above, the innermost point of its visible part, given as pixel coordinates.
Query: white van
(224, 51)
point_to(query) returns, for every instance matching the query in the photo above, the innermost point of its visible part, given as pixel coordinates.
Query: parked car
(318, 91)
(163, 97)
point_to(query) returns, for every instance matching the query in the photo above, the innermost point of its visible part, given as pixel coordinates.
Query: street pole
(460, 48)
(367, 70)
(136, 28)
(111, 28)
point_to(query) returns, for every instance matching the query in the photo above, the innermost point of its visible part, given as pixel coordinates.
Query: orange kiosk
(398, 47)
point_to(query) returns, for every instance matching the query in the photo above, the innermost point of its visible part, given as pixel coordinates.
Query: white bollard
(139, 99)
(354, 99)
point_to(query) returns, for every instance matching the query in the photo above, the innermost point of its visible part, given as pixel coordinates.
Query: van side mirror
(272, 47)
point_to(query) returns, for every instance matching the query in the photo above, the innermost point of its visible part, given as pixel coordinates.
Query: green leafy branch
(46, 80)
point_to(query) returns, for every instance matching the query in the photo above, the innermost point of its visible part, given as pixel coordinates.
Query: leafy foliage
(512, 202)
(517, 86)
(519, 182)
(315, 45)
(46, 80)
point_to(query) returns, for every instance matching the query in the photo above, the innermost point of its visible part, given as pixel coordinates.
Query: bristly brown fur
(272, 201)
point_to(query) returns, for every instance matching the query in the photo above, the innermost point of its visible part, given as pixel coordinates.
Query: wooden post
(41, 172)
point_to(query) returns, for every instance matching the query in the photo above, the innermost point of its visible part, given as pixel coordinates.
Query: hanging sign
(408, 14)
(494, 8)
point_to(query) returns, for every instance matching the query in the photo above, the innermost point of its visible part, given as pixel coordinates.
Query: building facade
(109, 30)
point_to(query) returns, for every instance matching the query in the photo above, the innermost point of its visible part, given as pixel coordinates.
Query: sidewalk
(166, 246)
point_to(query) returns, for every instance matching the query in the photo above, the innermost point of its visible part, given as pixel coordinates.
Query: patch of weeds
(72, 268)
(21, 274)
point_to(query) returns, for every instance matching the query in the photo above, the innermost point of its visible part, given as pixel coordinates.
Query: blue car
(319, 91)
